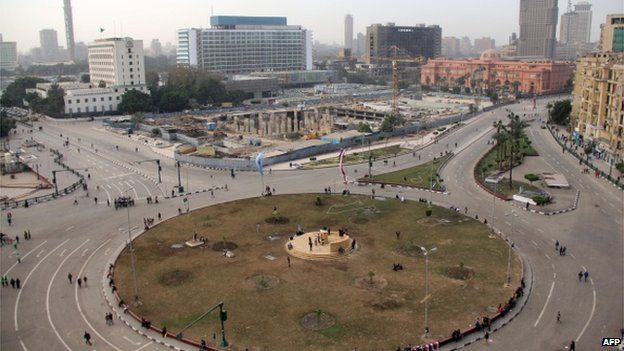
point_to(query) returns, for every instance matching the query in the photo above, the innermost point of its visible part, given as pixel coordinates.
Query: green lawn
(417, 176)
(359, 157)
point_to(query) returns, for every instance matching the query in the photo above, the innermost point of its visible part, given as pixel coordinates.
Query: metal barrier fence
(62, 192)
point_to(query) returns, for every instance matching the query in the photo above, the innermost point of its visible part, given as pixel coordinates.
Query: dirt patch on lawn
(386, 303)
(273, 220)
(261, 282)
(317, 320)
(224, 245)
(175, 277)
(459, 272)
(375, 284)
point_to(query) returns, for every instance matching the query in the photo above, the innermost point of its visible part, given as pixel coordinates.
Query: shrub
(531, 177)
(541, 200)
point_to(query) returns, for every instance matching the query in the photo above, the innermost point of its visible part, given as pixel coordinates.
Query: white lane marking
(39, 254)
(144, 346)
(591, 315)
(118, 189)
(136, 196)
(149, 193)
(585, 269)
(132, 342)
(548, 257)
(69, 228)
(524, 220)
(84, 252)
(23, 346)
(48, 295)
(540, 230)
(107, 194)
(80, 274)
(131, 181)
(534, 243)
(63, 253)
(12, 253)
(117, 176)
(107, 251)
(603, 211)
(572, 255)
(26, 255)
(552, 287)
(108, 186)
(19, 294)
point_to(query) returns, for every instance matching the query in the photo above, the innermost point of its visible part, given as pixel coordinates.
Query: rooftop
(247, 21)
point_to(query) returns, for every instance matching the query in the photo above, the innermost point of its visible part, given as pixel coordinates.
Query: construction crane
(395, 60)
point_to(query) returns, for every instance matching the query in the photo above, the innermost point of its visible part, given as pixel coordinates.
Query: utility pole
(132, 258)
(426, 254)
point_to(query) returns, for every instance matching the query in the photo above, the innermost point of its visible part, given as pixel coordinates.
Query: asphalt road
(48, 313)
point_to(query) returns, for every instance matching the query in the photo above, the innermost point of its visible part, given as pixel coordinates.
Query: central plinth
(320, 245)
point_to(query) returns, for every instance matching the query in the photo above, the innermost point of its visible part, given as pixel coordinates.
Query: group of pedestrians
(15, 283)
(79, 280)
(562, 249)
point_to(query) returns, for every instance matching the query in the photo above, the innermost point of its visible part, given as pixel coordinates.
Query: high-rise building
(575, 27)
(538, 28)
(513, 39)
(81, 51)
(237, 44)
(450, 47)
(598, 102)
(360, 44)
(188, 50)
(69, 30)
(348, 32)
(465, 46)
(49, 45)
(117, 62)
(409, 41)
(8, 55)
(612, 34)
(485, 43)
(156, 47)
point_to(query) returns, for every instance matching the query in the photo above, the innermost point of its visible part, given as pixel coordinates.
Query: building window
(131, 82)
(78, 109)
(115, 89)
(130, 69)
(70, 110)
(94, 108)
(129, 56)
(110, 98)
(118, 98)
(94, 99)
(69, 101)
(129, 51)
(110, 107)
(102, 98)
(77, 101)
(87, 109)
(130, 63)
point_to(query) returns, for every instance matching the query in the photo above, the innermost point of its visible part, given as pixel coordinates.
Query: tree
(461, 81)
(516, 133)
(15, 92)
(6, 124)
(501, 137)
(456, 90)
(85, 78)
(101, 84)
(559, 112)
(151, 80)
(531, 177)
(364, 128)
(390, 122)
(134, 101)
(173, 101)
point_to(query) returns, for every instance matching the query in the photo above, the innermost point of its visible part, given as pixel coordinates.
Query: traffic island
(374, 291)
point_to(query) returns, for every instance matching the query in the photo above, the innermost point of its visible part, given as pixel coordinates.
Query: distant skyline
(21, 21)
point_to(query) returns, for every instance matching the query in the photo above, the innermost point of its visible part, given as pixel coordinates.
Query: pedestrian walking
(84, 280)
(87, 338)
(79, 281)
(17, 239)
(18, 283)
(580, 275)
(107, 202)
(19, 258)
(572, 346)
(586, 274)
(486, 337)
(556, 245)
(559, 317)
(163, 332)
(95, 199)
(70, 276)
(288, 260)
(13, 283)
(3, 281)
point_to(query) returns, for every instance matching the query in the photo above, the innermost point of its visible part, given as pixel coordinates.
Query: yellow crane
(395, 60)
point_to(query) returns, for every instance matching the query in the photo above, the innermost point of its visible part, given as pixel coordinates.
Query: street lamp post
(426, 254)
(131, 249)
(510, 244)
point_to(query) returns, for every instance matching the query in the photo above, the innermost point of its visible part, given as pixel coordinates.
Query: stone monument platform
(325, 246)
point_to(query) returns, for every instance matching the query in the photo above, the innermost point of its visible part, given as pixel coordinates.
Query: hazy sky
(21, 20)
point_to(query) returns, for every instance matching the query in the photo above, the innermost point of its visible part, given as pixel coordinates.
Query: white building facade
(236, 44)
(8, 55)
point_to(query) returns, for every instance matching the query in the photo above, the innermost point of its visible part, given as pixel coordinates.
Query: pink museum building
(489, 71)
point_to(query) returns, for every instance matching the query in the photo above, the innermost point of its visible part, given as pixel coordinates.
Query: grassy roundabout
(417, 176)
(314, 305)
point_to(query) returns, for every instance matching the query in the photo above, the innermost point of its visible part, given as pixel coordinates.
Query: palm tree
(501, 139)
(516, 133)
